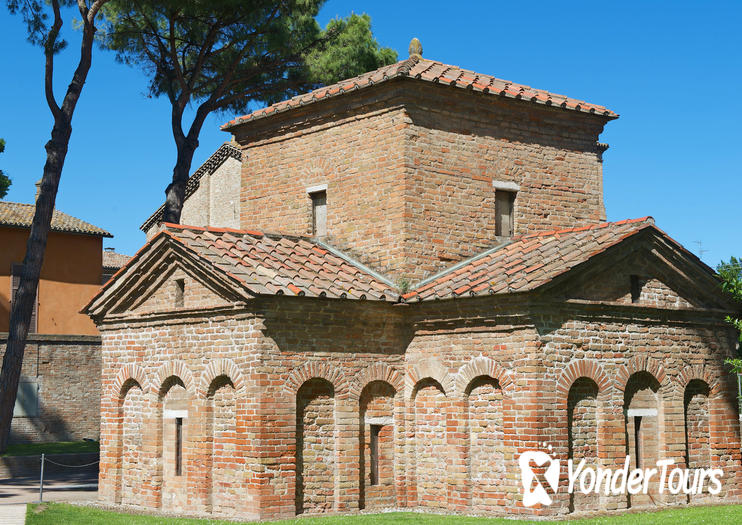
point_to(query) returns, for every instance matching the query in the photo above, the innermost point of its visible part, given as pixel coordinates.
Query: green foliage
(403, 285)
(731, 276)
(5, 181)
(353, 51)
(731, 282)
(225, 54)
(36, 17)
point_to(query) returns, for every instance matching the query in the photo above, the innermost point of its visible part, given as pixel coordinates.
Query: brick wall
(645, 361)
(582, 423)
(431, 450)
(410, 169)
(315, 447)
(486, 446)
(460, 388)
(216, 201)
(356, 148)
(458, 145)
(65, 371)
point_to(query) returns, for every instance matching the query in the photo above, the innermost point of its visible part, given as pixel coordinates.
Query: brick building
(59, 389)
(422, 286)
(212, 193)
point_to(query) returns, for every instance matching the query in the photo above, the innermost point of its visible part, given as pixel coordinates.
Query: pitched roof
(434, 72)
(225, 151)
(20, 215)
(525, 262)
(275, 264)
(113, 260)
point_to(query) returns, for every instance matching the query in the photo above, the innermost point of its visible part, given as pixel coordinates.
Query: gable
(179, 289)
(647, 270)
(634, 284)
(149, 284)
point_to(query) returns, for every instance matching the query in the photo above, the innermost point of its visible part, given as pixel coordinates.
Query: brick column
(275, 453)
(725, 438)
(347, 490)
(457, 438)
(612, 436)
(150, 455)
(401, 458)
(198, 458)
(672, 435)
(410, 451)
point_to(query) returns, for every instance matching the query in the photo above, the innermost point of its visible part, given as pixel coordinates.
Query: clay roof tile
(527, 261)
(434, 72)
(20, 215)
(280, 264)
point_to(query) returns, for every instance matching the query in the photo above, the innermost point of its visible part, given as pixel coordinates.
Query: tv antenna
(701, 251)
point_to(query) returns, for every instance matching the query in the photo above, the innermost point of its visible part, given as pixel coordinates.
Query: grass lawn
(60, 447)
(56, 513)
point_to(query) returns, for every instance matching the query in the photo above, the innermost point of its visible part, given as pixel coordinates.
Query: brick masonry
(65, 371)
(301, 405)
(410, 172)
(216, 200)
(279, 421)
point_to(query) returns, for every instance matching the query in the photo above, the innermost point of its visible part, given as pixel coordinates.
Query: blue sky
(672, 70)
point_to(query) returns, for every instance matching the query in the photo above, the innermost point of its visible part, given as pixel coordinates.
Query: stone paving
(16, 492)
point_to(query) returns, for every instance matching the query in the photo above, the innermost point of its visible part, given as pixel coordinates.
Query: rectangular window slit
(179, 292)
(638, 440)
(374, 452)
(178, 446)
(319, 213)
(636, 288)
(504, 205)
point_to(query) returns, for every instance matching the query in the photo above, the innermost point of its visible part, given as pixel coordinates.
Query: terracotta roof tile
(526, 262)
(20, 215)
(435, 72)
(280, 264)
(113, 260)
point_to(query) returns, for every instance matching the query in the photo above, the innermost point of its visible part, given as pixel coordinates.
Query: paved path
(15, 493)
(14, 514)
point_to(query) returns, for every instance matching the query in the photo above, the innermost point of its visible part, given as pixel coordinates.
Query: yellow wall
(70, 276)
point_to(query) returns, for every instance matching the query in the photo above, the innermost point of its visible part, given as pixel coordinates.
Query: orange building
(59, 388)
(71, 273)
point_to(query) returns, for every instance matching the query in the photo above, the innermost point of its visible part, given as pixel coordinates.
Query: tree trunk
(56, 151)
(22, 304)
(175, 192)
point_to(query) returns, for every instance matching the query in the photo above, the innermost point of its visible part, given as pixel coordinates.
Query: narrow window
(504, 201)
(179, 292)
(374, 453)
(637, 440)
(16, 271)
(319, 213)
(178, 446)
(636, 288)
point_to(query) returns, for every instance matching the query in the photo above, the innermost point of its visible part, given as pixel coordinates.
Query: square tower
(419, 164)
